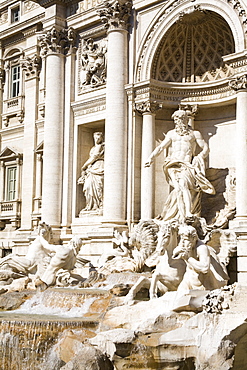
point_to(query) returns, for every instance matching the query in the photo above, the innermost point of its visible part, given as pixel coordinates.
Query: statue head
(188, 231)
(188, 239)
(76, 243)
(181, 120)
(98, 137)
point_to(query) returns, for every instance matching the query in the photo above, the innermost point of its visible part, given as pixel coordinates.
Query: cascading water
(27, 333)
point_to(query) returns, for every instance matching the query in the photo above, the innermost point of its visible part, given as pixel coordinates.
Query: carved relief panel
(92, 65)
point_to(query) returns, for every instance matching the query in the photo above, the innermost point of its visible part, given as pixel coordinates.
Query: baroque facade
(71, 69)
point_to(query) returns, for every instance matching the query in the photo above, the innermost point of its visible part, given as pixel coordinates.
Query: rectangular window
(15, 81)
(15, 14)
(6, 252)
(11, 183)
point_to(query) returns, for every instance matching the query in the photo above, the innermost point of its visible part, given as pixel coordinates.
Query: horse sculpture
(168, 272)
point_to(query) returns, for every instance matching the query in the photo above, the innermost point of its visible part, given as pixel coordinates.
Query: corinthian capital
(148, 107)
(31, 66)
(57, 41)
(115, 13)
(239, 83)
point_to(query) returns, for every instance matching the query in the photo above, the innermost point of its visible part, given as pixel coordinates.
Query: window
(6, 252)
(15, 81)
(11, 183)
(15, 14)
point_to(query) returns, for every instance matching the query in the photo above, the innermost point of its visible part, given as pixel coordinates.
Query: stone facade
(121, 68)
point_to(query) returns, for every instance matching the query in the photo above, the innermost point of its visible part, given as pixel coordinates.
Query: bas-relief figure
(184, 170)
(92, 175)
(93, 64)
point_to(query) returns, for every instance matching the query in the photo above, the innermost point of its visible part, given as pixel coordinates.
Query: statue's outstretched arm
(162, 146)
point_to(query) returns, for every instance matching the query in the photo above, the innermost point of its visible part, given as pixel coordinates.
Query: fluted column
(68, 137)
(239, 84)
(31, 66)
(115, 15)
(148, 110)
(54, 44)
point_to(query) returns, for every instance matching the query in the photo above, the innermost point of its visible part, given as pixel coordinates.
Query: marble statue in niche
(184, 170)
(93, 64)
(92, 176)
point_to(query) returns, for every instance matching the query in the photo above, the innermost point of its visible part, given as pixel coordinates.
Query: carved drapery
(57, 41)
(31, 66)
(115, 14)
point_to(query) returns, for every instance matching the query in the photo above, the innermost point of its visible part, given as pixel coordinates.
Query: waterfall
(27, 334)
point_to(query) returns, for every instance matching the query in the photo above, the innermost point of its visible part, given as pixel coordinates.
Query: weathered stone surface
(107, 341)
(89, 358)
(71, 343)
(13, 300)
(146, 316)
(19, 284)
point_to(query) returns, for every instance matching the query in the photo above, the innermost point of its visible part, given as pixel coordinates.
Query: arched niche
(192, 50)
(171, 15)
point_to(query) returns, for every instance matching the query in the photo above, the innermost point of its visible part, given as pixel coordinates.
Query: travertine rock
(89, 358)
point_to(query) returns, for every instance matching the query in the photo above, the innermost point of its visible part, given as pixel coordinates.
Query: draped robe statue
(184, 170)
(92, 175)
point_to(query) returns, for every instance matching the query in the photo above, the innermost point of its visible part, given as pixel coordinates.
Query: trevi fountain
(159, 298)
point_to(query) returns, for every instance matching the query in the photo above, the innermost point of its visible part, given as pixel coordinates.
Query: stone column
(148, 110)
(31, 66)
(239, 84)
(115, 15)
(68, 137)
(54, 44)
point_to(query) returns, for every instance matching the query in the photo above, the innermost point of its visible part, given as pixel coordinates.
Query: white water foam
(36, 306)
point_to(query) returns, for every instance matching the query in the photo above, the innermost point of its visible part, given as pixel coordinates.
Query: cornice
(12, 130)
(22, 27)
(175, 93)
(47, 3)
(80, 108)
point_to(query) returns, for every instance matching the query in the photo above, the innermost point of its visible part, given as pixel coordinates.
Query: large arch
(165, 19)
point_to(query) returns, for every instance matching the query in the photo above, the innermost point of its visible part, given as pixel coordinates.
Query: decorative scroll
(239, 83)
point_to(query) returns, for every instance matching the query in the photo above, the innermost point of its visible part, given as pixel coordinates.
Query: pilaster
(31, 66)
